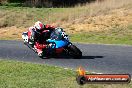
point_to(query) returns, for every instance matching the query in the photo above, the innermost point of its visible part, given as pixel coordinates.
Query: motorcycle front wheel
(74, 52)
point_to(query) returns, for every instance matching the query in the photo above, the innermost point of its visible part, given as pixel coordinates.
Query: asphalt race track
(96, 58)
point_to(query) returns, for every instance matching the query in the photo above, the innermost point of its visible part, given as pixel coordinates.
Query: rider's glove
(50, 45)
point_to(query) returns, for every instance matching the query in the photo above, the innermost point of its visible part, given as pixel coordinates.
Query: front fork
(66, 48)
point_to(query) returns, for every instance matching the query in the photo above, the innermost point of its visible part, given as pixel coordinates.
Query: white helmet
(39, 25)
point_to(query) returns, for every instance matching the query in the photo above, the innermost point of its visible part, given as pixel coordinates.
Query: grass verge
(116, 35)
(28, 75)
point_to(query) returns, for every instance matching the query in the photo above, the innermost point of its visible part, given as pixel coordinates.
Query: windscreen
(56, 34)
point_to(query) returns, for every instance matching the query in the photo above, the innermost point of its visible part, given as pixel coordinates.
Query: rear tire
(74, 52)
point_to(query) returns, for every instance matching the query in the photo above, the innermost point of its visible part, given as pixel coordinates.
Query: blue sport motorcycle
(59, 44)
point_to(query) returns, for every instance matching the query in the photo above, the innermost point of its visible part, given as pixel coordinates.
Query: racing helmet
(39, 25)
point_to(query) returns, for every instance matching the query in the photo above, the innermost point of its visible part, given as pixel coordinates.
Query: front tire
(74, 52)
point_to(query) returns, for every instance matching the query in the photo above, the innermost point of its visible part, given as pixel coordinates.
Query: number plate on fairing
(25, 36)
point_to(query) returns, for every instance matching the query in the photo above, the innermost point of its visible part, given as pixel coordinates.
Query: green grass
(14, 74)
(116, 35)
(26, 16)
(26, 75)
(12, 4)
(14, 14)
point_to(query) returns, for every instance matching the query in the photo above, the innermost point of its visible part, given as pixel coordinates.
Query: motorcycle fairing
(58, 44)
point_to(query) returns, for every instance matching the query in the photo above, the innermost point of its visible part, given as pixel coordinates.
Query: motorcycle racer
(38, 34)
(48, 41)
